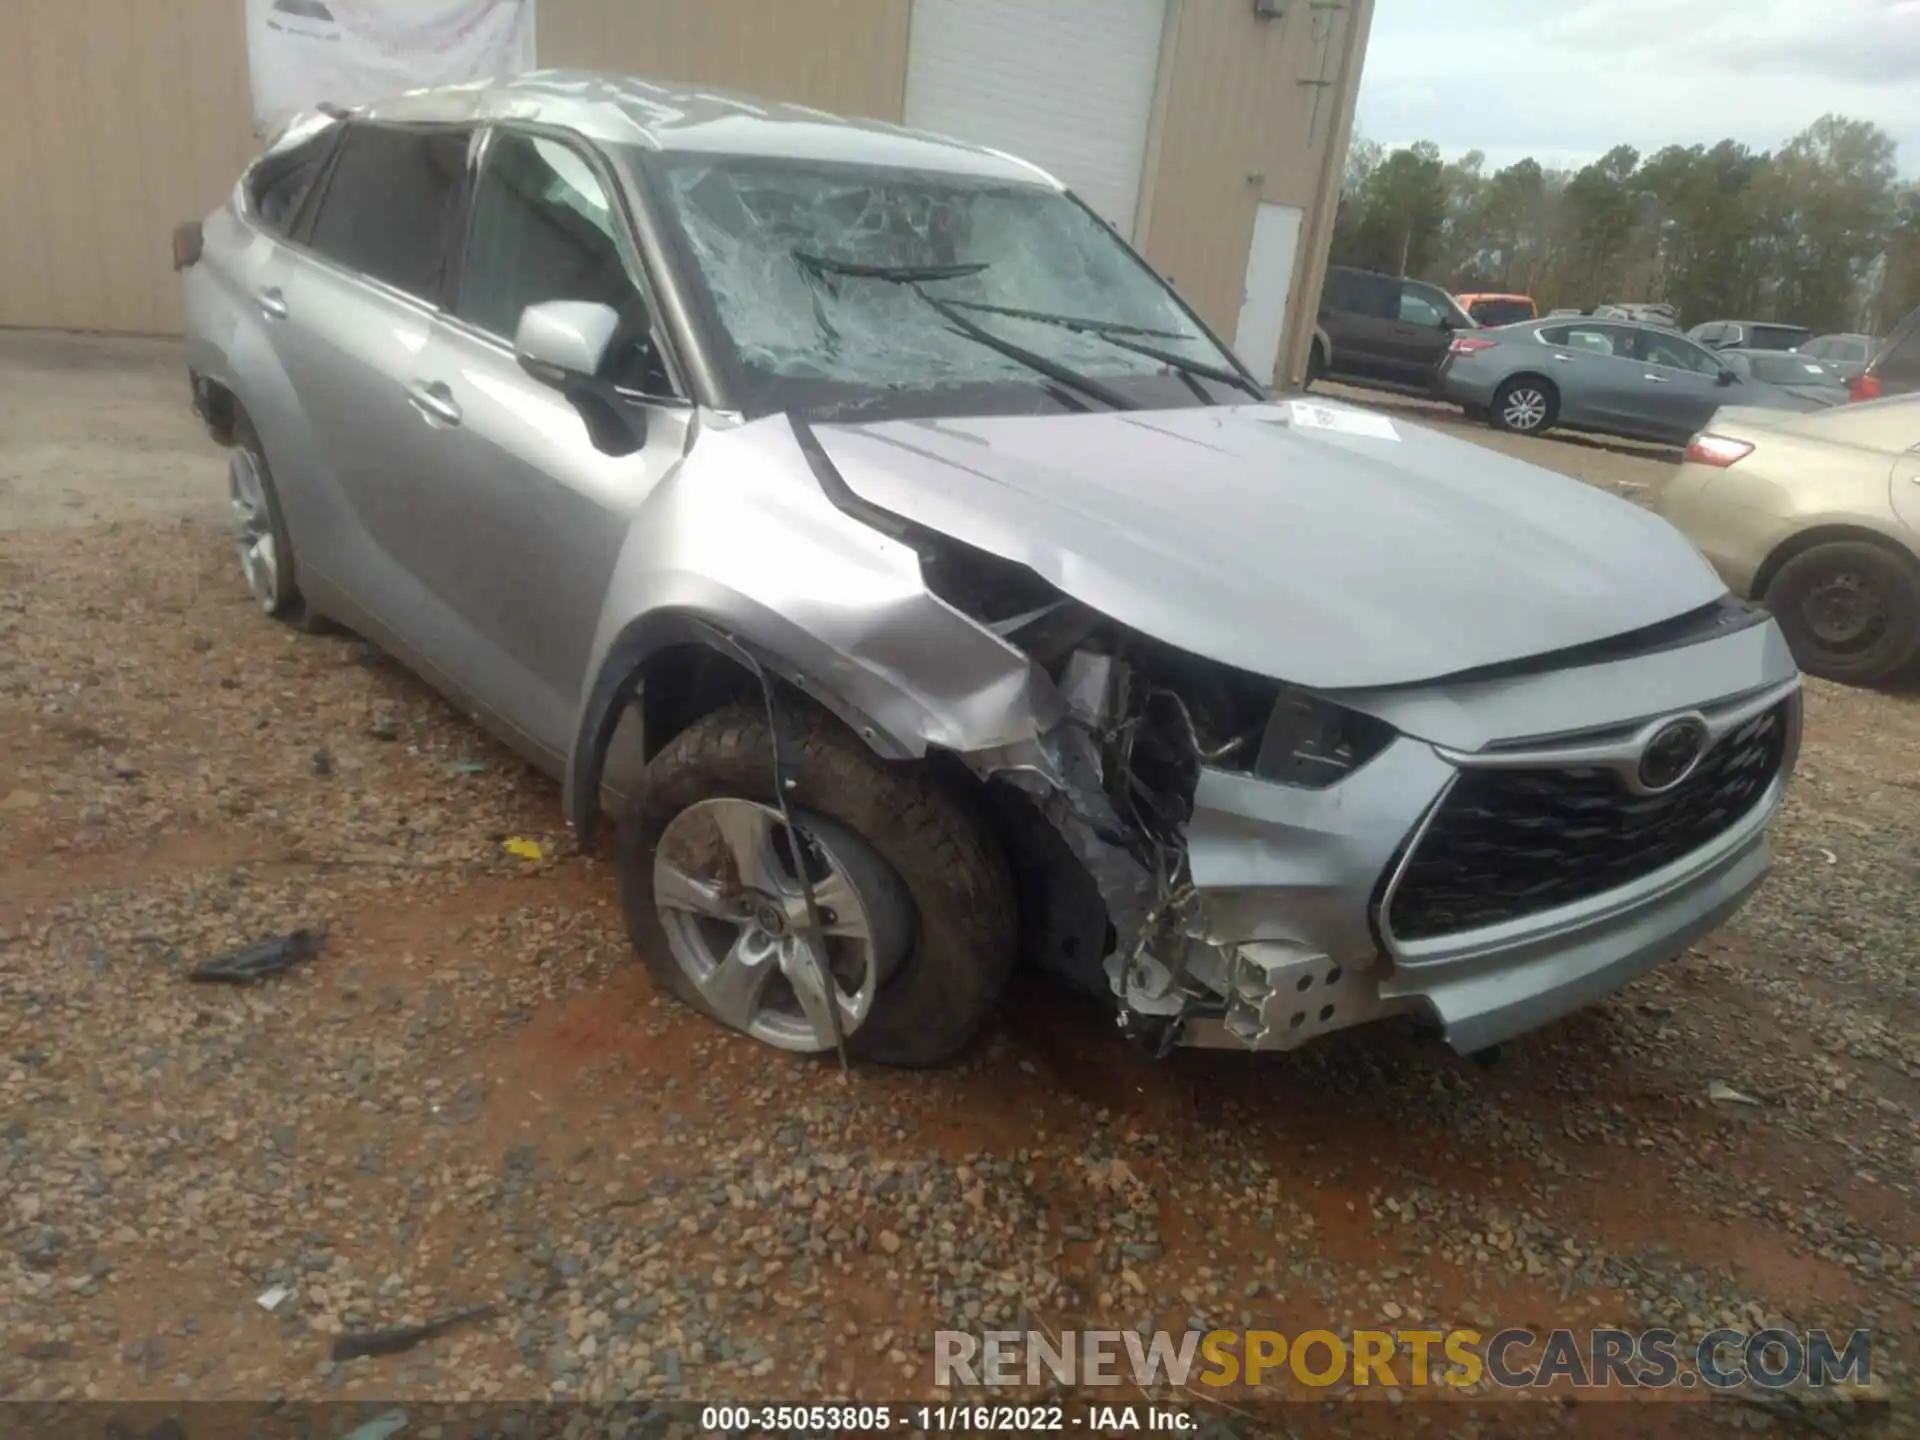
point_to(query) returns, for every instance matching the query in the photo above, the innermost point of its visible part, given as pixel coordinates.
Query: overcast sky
(1566, 80)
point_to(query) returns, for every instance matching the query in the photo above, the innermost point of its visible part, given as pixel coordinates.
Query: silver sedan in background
(1610, 377)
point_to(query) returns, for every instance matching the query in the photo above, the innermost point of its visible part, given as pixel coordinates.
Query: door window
(544, 229)
(1676, 353)
(1593, 339)
(1418, 308)
(390, 205)
(1356, 292)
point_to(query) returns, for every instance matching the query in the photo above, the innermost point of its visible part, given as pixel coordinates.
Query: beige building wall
(120, 118)
(1253, 109)
(848, 56)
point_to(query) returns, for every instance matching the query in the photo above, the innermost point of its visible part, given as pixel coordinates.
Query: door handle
(1656, 379)
(273, 304)
(434, 401)
(1564, 359)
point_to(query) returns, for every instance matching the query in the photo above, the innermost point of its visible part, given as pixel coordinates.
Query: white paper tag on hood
(1308, 416)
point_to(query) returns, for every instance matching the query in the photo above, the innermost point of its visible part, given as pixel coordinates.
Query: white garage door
(1067, 84)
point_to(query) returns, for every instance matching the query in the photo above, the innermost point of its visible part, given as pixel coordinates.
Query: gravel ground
(473, 1097)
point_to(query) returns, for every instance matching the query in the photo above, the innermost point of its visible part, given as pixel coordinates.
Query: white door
(1263, 308)
(1066, 84)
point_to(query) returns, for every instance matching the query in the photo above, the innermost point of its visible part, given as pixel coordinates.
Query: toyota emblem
(1671, 753)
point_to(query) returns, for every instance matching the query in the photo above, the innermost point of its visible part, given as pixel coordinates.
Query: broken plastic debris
(381, 1427)
(468, 767)
(272, 1299)
(524, 848)
(1827, 855)
(259, 960)
(405, 1337)
(1720, 1090)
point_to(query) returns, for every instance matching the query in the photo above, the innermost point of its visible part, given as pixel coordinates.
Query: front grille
(1510, 843)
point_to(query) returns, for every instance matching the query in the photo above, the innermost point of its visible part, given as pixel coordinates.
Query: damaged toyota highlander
(929, 591)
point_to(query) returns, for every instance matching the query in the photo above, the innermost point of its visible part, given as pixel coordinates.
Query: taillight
(1718, 451)
(188, 242)
(1467, 344)
(1866, 386)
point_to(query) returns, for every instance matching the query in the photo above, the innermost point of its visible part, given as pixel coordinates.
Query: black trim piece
(1726, 616)
(840, 493)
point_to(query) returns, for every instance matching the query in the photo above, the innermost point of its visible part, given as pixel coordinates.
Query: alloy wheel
(253, 529)
(1525, 409)
(726, 884)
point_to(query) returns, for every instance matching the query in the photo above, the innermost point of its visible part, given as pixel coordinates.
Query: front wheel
(915, 899)
(1850, 611)
(1524, 406)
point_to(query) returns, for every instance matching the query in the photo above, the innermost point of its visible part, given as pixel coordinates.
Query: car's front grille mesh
(1510, 843)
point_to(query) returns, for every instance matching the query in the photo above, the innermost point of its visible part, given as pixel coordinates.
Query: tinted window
(1776, 337)
(1847, 350)
(1675, 352)
(280, 181)
(1355, 292)
(1501, 312)
(389, 205)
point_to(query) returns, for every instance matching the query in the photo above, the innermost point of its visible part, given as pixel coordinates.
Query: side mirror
(1727, 377)
(564, 340)
(564, 343)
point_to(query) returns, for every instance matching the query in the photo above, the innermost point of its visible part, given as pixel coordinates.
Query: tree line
(1821, 232)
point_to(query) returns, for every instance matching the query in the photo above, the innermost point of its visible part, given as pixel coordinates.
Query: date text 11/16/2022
(945, 1419)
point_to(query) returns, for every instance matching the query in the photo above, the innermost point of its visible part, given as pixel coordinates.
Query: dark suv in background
(1895, 369)
(1384, 331)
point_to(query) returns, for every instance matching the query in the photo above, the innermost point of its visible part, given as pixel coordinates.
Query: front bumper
(1295, 885)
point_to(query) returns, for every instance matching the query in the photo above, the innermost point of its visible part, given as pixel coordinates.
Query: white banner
(305, 53)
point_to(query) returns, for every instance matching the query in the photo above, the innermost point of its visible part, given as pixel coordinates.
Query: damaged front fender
(741, 550)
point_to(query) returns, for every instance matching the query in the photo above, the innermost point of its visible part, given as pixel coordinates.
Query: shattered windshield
(838, 285)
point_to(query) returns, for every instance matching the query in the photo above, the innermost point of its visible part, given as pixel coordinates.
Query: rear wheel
(1525, 405)
(260, 532)
(915, 898)
(1850, 611)
(1316, 364)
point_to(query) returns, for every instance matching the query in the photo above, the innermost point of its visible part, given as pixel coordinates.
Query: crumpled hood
(1325, 557)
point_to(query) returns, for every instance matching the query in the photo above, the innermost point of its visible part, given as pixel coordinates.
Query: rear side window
(390, 205)
(1594, 339)
(279, 182)
(1501, 312)
(1355, 292)
(1776, 337)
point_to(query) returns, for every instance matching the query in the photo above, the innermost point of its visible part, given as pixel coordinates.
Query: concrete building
(1212, 132)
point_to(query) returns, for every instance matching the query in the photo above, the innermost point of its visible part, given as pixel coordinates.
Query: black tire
(1509, 405)
(963, 947)
(284, 602)
(1316, 365)
(1850, 610)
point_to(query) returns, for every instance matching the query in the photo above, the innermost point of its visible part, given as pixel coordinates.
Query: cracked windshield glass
(892, 281)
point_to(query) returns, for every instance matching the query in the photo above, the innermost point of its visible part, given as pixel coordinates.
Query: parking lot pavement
(472, 1095)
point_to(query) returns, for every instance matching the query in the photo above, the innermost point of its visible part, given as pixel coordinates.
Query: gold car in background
(1818, 517)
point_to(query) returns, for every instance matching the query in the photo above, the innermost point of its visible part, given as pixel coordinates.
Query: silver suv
(960, 596)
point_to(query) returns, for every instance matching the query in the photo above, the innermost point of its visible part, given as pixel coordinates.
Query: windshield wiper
(1116, 332)
(899, 274)
(912, 277)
